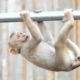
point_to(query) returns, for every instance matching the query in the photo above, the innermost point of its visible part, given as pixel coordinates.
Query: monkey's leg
(75, 64)
(48, 38)
(68, 25)
(74, 48)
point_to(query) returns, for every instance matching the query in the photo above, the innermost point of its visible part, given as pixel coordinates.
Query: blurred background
(15, 67)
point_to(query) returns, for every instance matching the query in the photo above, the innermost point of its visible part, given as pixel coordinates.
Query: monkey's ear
(13, 50)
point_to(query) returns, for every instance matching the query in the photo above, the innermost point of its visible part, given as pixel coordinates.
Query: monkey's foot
(68, 15)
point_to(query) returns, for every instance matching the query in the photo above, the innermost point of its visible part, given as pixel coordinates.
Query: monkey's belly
(43, 56)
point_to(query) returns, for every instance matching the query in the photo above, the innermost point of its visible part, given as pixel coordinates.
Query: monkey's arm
(33, 28)
(48, 38)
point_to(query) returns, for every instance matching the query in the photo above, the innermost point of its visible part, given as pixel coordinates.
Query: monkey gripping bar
(37, 16)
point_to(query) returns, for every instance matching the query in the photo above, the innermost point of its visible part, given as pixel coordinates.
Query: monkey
(62, 55)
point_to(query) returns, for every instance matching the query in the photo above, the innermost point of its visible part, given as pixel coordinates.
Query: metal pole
(37, 16)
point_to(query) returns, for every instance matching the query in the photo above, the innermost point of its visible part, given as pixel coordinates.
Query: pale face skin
(62, 55)
(18, 39)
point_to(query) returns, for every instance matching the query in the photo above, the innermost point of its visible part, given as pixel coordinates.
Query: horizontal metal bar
(37, 16)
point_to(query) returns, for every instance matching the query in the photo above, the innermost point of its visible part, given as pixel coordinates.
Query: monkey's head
(16, 41)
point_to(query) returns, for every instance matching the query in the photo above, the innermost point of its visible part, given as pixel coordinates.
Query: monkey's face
(20, 37)
(16, 41)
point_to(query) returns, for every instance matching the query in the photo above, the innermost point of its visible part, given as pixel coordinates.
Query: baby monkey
(62, 55)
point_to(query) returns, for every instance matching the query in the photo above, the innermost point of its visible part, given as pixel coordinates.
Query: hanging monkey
(61, 55)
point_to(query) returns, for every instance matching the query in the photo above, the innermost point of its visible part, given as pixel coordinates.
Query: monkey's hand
(24, 15)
